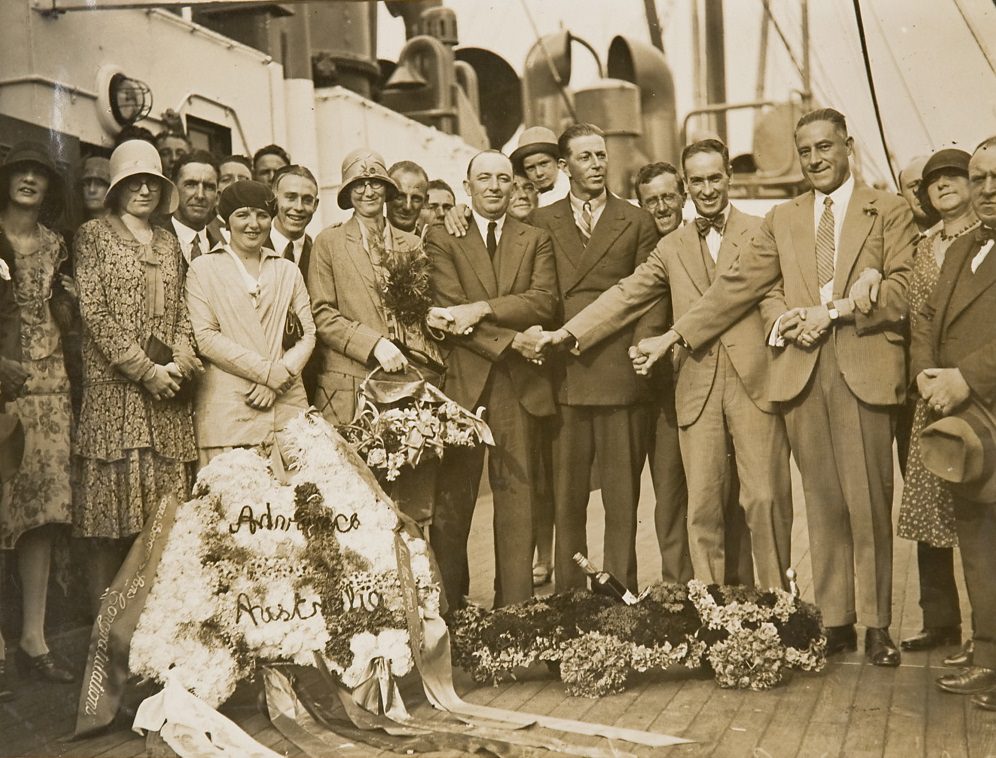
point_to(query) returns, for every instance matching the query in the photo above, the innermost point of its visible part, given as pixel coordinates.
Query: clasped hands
(943, 389)
(806, 327)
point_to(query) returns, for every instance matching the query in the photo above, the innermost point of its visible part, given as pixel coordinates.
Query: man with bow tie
(721, 388)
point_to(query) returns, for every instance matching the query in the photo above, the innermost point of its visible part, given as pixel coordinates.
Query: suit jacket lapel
(305, 256)
(610, 225)
(853, 233)
(733, 238)
(974, 284)
(508, 258)
(566, 232)
(361, 261)
(804, 241)
(479, 260)
(690, 255)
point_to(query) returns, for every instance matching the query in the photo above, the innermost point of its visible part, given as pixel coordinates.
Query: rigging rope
(871, 89)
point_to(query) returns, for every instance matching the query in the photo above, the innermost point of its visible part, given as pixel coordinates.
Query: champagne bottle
(603, 583)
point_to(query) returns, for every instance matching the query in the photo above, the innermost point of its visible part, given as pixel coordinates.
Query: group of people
(598, 334)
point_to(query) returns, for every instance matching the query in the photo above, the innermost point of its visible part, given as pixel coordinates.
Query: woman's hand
(69, 285)
(13, 375)
(260, 397)
(188, 364)
(388, 356)
(160, 384)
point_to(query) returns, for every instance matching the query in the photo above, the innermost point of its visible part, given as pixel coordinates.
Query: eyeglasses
(373, 184)
(149, 182)
(668, 198)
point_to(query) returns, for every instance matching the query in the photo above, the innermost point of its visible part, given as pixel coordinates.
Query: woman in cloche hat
(355, 314)
(927, 510)
(135, 442)
(243, 297)
(34, 390)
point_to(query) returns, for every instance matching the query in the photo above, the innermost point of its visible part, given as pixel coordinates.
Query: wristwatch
(832, 312)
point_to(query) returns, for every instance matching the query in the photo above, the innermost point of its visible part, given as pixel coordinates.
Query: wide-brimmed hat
(96, 167)
(961, 450)
(11, 445)
(38, 154)
(535, 139)
(135, 157)
(359, 166)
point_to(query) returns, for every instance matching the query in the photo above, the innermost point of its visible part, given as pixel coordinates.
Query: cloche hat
(359, 166)
(36, 153)
(246, 194)
(134, 157)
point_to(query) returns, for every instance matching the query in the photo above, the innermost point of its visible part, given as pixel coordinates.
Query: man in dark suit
(836, 262)
(494, 284)
(196, 177)
(296, 190)
(721, 389)
(598, 239)
(953, 361)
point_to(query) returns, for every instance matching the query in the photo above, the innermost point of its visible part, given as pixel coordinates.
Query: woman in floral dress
(38, 495)
(927, 512)
(135, 440)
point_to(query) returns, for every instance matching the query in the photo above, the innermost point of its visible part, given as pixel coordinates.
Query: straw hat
(135, 157)
(359, 166)
(535, 139)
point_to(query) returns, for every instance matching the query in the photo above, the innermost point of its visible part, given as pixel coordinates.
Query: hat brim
(56, 184)
(343, 196)
(521, 153)
(171, 196)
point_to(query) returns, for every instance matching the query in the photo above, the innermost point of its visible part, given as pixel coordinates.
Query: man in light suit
(836, 262)
(598, 239)
(954, 363)
(721, 388)
(493, 283)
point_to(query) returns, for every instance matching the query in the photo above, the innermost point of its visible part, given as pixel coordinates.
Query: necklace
(949, 237)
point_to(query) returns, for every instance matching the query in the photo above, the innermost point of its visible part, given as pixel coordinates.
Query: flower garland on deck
(255, 571)
(749, 638)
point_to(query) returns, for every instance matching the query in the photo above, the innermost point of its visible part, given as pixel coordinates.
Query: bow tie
(703, 224)
(985, 234)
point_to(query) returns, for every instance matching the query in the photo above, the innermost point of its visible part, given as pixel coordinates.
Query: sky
(932, 60)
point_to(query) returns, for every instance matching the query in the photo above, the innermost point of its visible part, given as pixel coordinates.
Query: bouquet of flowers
(399, 425)
(748, 637)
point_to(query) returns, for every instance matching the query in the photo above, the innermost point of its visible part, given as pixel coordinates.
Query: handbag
(161, 353)
(293, 330)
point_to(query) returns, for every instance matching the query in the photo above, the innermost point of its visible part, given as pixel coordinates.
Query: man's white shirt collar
(482, 225)
(280, 241)
(186, 237)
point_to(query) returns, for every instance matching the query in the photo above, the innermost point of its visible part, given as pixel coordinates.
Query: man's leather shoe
(932, 637)
(985, 700)
(968, 681)
(963, 657)
(841, 639)
(880, 650)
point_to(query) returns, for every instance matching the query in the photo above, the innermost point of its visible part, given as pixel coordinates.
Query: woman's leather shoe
(932, 637)
(41, 667)
(968, 681)
(841, 639)
(963, 657)
(6, 693)
(880, 650)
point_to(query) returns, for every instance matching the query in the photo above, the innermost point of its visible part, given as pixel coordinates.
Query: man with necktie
(296, 191)
(835, 263)
(196, 177)
(598, 239)
(953, 364)
(723, 413)
(493, 284)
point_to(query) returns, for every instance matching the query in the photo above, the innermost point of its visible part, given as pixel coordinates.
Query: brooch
(870, 210)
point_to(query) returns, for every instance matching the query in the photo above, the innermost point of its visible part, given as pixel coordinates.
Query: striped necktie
(825, 244)
(195, 247)
(584, 222)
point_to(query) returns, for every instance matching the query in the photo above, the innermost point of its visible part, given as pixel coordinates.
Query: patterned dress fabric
(132, 449)
(927, 510)
(40, 493)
